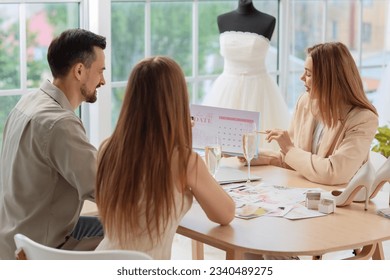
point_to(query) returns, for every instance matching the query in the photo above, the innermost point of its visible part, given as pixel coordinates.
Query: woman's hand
(282, 137)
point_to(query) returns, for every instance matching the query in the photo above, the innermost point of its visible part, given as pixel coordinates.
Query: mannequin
(245, 84)
(247, 19)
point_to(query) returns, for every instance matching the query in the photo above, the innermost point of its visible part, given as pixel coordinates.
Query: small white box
(326, 206)
(312, 200)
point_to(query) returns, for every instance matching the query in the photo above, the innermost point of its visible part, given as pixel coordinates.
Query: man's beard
(89, 98)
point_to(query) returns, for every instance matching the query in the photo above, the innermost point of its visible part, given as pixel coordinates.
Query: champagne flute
(213, 154)
(249, 145)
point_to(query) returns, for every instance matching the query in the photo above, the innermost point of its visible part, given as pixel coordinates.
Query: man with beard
(48, 166)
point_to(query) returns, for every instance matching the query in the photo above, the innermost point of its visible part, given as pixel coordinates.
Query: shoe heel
(367, 198)
(358, 188)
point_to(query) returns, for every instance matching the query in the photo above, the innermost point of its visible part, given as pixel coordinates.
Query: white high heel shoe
(361, 181)
(381, 177)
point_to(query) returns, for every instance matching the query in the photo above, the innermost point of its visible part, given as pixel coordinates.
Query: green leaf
(383, 141)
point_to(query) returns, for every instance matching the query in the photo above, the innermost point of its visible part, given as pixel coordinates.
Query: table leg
(367, 252)
(234, 255)
(197, 250)
(378, 253)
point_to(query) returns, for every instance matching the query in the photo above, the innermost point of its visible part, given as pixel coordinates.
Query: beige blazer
(342, 150)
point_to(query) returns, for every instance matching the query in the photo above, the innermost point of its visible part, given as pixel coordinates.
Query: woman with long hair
(147, 172)
(334, 123)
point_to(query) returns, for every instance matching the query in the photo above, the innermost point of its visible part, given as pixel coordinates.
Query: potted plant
(382, 143)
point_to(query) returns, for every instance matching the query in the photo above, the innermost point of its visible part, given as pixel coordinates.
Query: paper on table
(301, 212)
(385, 212)
(250, 212)
(280, 211)
(276, 201)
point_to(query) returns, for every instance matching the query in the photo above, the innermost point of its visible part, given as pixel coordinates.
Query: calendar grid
(226, 124)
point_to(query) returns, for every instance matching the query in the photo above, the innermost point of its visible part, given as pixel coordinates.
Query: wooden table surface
(350, 227)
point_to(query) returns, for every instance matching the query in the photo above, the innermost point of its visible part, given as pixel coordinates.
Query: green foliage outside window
(171, 34)
(9, 55)
(382, 141)
(58, 16)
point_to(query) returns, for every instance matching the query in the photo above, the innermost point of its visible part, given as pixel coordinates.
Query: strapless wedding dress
(245, 83)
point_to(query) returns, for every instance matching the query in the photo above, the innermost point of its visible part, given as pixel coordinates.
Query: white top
(317, 136)
(141, 242)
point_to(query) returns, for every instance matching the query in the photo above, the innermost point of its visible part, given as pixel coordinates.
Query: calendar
(226, 124)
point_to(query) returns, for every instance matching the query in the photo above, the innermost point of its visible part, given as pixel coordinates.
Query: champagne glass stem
(249, 171)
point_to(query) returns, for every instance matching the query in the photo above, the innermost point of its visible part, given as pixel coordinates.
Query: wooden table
(349, 227)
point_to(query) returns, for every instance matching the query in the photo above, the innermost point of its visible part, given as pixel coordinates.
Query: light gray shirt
(47, 170)
(317, 136)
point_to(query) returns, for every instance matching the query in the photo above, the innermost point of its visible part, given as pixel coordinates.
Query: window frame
(96, 16)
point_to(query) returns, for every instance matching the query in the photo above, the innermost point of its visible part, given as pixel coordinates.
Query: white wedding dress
(245, 83)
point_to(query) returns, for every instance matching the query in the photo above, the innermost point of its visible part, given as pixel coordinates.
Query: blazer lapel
(332, 135)
(306, 130)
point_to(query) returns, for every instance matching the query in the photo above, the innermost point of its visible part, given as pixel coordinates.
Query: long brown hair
(135, 163)
(336, 81)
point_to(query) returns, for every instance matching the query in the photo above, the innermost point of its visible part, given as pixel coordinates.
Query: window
(186, 30)
(334, 30)
(26, 30)
(366, 32)
(362, 25)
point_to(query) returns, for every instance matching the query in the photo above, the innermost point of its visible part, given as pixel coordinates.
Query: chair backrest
(31, 250)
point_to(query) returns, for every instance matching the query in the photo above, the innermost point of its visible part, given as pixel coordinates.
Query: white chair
(27, 249)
